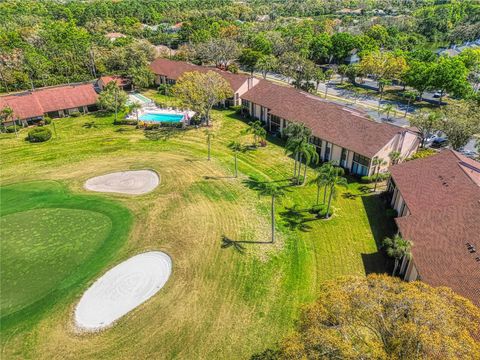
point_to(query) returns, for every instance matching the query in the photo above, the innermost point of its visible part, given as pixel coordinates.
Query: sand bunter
(121, 289)
(134, 182)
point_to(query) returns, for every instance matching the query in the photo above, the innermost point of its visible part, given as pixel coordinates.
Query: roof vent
(471, 248)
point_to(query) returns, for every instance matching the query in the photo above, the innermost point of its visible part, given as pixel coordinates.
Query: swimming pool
(155, 117)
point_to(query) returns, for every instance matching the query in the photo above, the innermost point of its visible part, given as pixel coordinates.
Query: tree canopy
(380, 317)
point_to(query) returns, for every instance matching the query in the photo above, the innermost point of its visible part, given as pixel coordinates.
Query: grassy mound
(51, 242)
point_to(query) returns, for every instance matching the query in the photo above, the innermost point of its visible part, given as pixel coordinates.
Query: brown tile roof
(119, 80)
(35, 103)
(174, 69)
(443, 197)
(345, 127)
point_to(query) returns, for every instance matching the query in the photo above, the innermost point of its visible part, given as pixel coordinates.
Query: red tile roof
(443, 196)
(174, 69)
(119, 80)
(38, 102)
(348, 128)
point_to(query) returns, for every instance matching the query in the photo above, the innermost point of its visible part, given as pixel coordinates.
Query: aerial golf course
(58, 238)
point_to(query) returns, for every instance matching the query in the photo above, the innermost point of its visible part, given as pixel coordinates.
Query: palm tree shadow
(349, 195)
(207, 177)
(297, 219)
(238, 244)
(257, 185)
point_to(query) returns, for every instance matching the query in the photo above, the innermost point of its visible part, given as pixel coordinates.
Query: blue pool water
(161, 117)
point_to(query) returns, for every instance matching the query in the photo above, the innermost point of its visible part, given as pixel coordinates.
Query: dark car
(439, 143)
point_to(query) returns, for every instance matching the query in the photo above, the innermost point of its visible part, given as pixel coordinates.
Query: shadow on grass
(297, 219)
(258, 185)
(237, 245)
(207, 177)
(381, 226)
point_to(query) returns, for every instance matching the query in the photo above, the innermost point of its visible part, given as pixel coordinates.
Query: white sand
(125, 182)
(121, 289)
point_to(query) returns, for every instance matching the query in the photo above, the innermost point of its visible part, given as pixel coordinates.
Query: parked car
(439, 143)
(469, 153)
(437, 94)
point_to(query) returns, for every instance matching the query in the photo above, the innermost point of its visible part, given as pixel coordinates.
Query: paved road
(355, 100)
(366, 102)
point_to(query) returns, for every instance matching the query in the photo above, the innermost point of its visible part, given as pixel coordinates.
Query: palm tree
(335, 179)
(275, 191)
(6, 114)
(309, 152)
(209, 135)
(135, 107)
(298, 136)
(388, 109)
(378, 163)
(394, 156)
(397, 248)
(236, 147)
(321, 179)
(255, 128)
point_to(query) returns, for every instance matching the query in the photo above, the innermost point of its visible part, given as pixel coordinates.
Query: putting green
(52, 240)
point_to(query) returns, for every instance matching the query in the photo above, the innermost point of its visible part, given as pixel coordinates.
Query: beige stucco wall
(411, 274)
(247, 85)
(406, 143)
(336, 154)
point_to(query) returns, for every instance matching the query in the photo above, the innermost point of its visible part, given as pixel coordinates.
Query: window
(327, 152)
(343, 158)
(245, 103)
(316, 141)
(362, 160)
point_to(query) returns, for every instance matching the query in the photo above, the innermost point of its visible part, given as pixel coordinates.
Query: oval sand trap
(121, 289)
(133, 182)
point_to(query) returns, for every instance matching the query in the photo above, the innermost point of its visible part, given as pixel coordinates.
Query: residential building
(122, 83)
(342, 135)
(438, 203)
(55, 101)
(168, 71)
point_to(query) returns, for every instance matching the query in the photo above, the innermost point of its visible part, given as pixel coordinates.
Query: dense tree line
(52, 42)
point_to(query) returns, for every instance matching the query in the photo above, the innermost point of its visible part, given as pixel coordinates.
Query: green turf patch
(51, 242)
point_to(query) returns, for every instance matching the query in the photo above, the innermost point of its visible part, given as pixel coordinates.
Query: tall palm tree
(397, 248)
(309, 152)
(297, 136)
(6, 114)
(378, 163)
(209, 135)
(335, 179)
(388, 109)
(275, 191)
(135, 107)
(321, 179)
(236, 147)
(394, 156)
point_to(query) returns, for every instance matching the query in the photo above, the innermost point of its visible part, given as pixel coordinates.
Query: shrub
(371, 179)
(75, 114)
(125, 122)
(422, 153)
(39, 134)
(47, 120)
(159, 125)
(237, 109)
(391, 213)
(10, 129)
(320, 211)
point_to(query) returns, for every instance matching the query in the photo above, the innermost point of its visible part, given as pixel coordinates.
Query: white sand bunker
(126, 182)
(122, 289)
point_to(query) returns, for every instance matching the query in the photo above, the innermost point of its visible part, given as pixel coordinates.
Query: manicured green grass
(50, 242)
(219, 303)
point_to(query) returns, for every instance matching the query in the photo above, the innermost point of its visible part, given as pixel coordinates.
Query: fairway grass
(219, 303)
